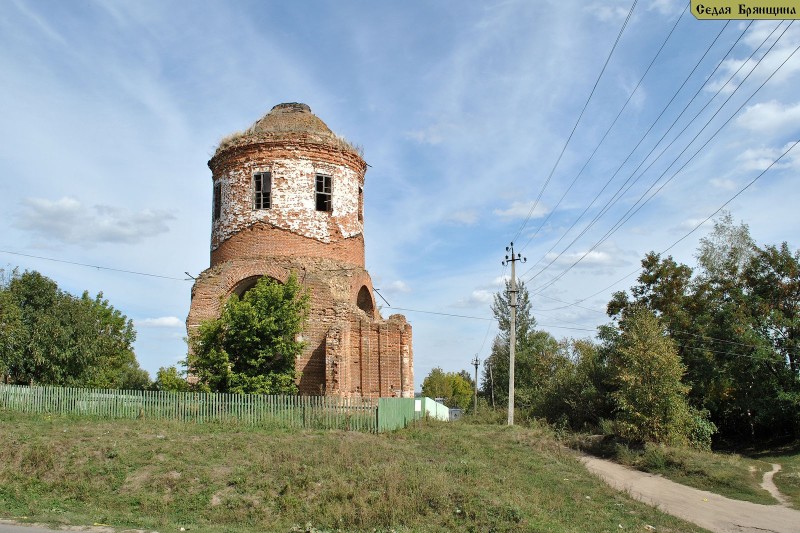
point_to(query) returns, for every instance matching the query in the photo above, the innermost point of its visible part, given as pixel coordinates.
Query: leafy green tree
(725, 252)
(732, 321)
(536, 354)
(55, 338)
(578, 394)
(650, 399)
(170, 379)
(12, 334)
(772, 279)
(452, 387)
(253, 346)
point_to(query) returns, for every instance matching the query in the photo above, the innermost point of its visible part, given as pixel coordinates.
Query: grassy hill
(435, 477)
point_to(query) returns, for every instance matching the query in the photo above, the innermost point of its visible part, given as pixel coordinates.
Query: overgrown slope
(442, 477)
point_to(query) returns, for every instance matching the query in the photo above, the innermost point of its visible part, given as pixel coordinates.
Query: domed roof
(289, 121)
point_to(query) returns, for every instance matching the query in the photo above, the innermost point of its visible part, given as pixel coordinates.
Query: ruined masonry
(288, 197)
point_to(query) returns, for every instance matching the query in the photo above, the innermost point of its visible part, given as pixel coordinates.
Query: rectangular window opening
(217, 200)
(262, 190)
(324, 192)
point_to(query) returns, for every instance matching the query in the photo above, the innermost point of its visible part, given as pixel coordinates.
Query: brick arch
(359, 281)
(365, 301)
(248, 283)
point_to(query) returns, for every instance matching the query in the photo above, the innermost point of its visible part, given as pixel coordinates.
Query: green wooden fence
(313, 412)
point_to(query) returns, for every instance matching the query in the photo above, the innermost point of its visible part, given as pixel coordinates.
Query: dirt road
(706, 509)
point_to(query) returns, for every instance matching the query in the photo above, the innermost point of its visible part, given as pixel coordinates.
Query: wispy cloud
(523, 210)
(771, 118)
(161, 322)
(723, 184)
(607, 13)
(762, 158)
(466, 217)
(69, 221)
(397, 286)
(690, 224)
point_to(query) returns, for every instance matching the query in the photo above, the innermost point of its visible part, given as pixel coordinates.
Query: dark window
(217, 200)
(262, 190)
(324, 189)
(361, 204)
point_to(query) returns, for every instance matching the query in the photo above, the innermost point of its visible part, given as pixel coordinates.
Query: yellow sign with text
(746, 10)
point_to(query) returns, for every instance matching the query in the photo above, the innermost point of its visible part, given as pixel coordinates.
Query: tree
(452, 387)
(726, 251)
(579, 392)
(536, 354)
(170, 379)
(53, 338)
(772, 279)
(650, 399)
(12, 333)
(253, 346)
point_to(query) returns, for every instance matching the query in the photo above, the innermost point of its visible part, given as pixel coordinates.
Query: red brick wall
(264, 240)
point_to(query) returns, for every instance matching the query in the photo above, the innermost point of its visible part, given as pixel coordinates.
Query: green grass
(435, 477)
(728, 474)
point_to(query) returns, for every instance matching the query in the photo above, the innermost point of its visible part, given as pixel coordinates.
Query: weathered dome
(287, 122)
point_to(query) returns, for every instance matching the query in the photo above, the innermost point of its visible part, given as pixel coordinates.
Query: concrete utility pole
(512, 303)
(475, 363)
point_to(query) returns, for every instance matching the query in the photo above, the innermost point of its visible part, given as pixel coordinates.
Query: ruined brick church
(288, 196)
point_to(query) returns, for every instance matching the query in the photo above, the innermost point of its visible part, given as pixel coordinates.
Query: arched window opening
(245, 285)
(364, 301)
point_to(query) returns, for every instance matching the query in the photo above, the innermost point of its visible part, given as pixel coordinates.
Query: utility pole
(475, 363)
(512, 303)
(491, 380)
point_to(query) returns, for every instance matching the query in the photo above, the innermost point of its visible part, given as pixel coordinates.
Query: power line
(580, 116)
(634, 208)
(616, 196)
(709, 217)
(443, 314)
(604, 209)
(631, 211)
(613, 123)
(98, 267)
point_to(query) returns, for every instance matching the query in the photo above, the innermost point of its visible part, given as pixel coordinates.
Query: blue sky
(112, 109)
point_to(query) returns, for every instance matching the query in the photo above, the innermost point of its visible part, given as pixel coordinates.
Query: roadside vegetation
(433, 477)
(727, 474)
(689, 355)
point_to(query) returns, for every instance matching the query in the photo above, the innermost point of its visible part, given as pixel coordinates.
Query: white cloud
(477, 298)
(771, 117)
(724, 184)
(666, 7)
(602, 260)
(69, 221)
(522, 210)
(466, 217)
(690, 224)
(739, 68)
(433, 134)
(762, 158)
(398, 286)
(606, 13)
(161, 322)
(500, 281)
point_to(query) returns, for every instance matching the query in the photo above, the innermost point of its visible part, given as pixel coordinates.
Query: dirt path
(768, 485)
(706, 509)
